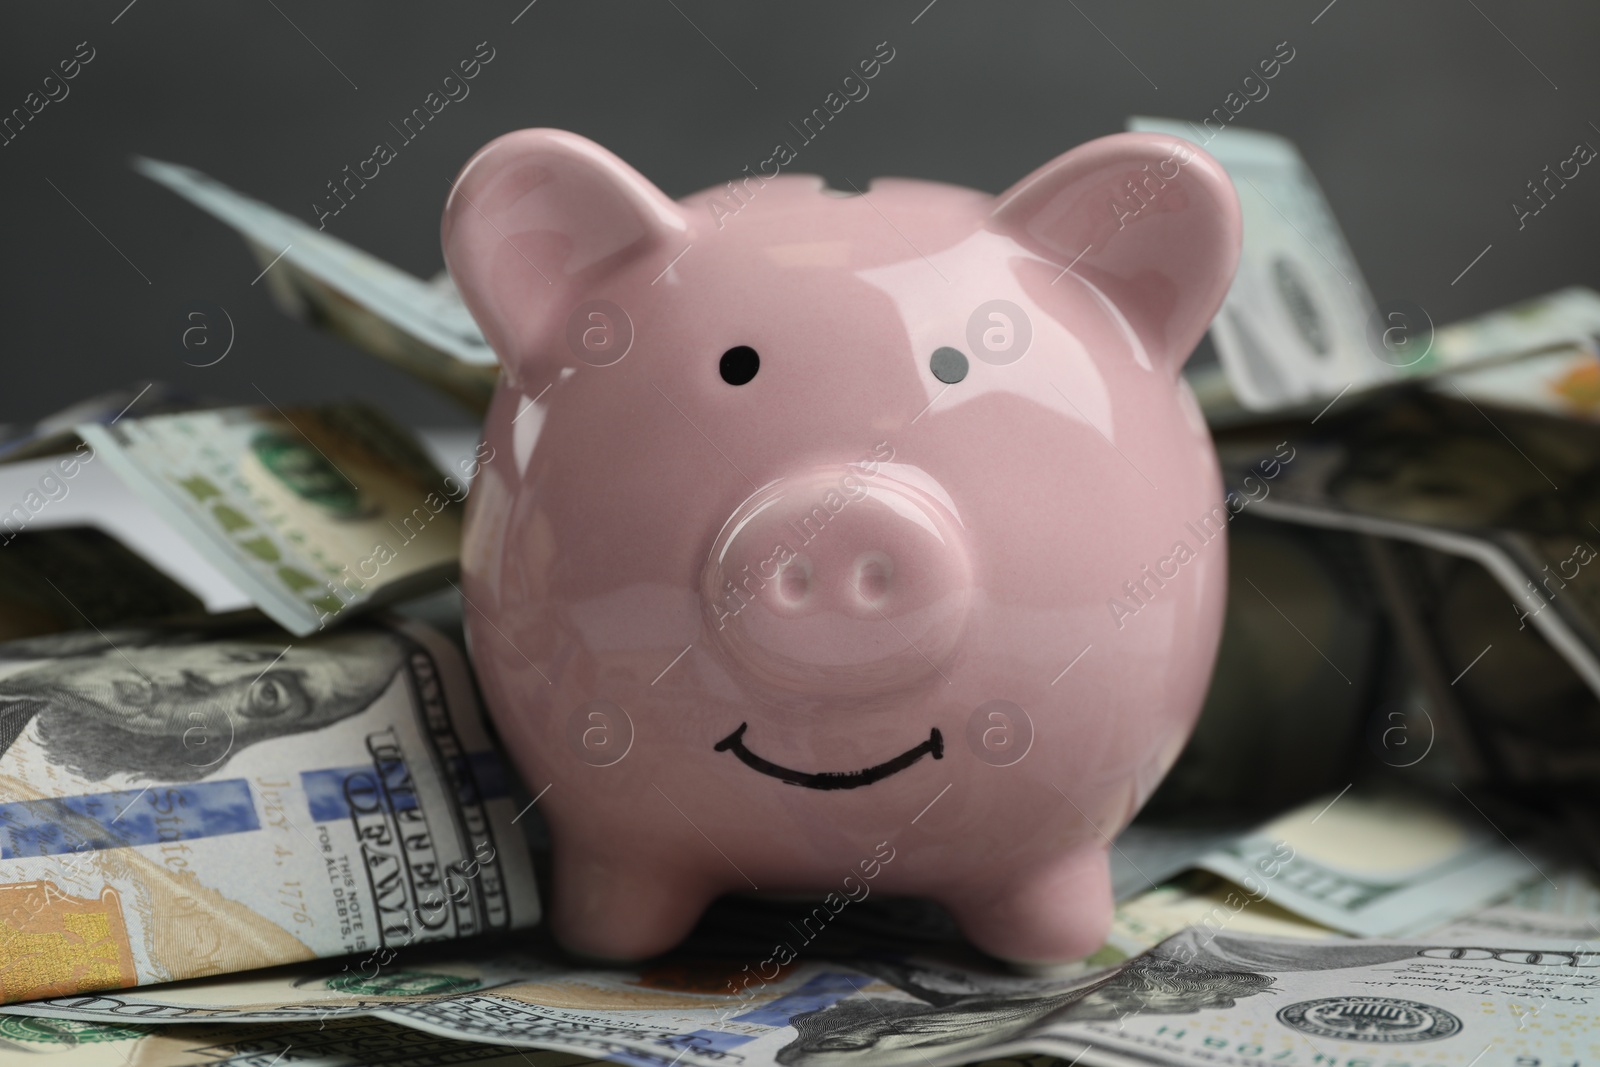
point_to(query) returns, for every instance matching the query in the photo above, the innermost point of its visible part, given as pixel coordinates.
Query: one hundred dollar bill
(177, 803)
(1200, 997)
(1566, 906)
(1541, 354)
(421, 327)
(1375, 866)
(1294, 325)
(1557, 320)
(313, 513)
(1299, 326)
(335, 1043)
(1251, 1001)
(356, 986)
(55, 432)
(1197, 899)
(681, 1010)
(1481, 530)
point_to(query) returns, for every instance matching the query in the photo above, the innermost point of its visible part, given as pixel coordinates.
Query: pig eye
(948, 365)
(739, 365)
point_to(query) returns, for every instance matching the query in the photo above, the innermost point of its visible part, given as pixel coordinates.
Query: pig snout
(837, 582)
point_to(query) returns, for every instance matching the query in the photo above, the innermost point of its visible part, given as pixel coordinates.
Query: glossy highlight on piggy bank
(800, 536)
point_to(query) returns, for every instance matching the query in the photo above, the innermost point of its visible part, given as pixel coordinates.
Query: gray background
(1421, 120)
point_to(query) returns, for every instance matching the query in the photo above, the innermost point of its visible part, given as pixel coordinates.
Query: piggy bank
(842, 542)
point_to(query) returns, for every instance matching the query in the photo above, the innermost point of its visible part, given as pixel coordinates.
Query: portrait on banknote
(183, 801)
(175, 705)
(940, 1022)
(1196, 971)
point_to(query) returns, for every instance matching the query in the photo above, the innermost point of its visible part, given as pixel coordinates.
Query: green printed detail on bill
(309, 474)
(44, 1031)
(1194, 999)
(315, 514)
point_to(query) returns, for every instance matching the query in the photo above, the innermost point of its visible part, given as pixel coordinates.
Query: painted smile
(734, 743)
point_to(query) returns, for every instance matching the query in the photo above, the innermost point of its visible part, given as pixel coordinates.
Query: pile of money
(1199, 970)
(251, 811)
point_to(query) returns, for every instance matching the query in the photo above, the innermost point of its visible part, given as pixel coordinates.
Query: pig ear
(1149, 220)
(538, 217)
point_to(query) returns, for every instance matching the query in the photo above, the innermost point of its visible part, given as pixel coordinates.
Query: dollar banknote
(1541, 355)
(421, 327)
(79, 577)
(55, 432)
(1253, 1001)
(1202, 899)
(1490, 519)
(1552, 322)
(683, 1010)
(314, 513)
(1201, 997)
(336, 1043)
(1277, 724)
(1148, 854)
(1563, 381)
(177, 803)
(1379, 841)
(1376, 865)
(1566, 906)
(1293, 327)
(1300, 327)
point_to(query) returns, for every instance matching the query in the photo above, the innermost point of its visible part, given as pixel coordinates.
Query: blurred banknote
(1553, 321)
(177, 803)
(1502, 510)
(1558, 339)
(1563, 380)
(1294, 325)
(56, 433)
(78, 578)
(314, 513)
(1299, 325)
(1567, 905)
(421, 327)
(1278, 719)
(1377, 866)
(1202, 996)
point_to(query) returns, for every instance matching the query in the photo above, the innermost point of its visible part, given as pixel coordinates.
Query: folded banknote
(421, 327)
(314, 513)
(1203, 996)
(178, 802)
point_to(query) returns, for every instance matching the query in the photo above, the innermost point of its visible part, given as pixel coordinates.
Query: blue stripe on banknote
(94, 821)
(326, 789)
(823, 991)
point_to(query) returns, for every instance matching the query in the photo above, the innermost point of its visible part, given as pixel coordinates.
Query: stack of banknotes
(251, 811)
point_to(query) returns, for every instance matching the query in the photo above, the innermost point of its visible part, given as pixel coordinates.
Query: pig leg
(622, 908)
(1051, 915)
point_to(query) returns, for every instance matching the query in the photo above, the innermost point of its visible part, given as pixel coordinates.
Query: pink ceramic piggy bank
(842, 543)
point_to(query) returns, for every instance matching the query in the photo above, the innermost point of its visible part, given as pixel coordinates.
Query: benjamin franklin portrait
(894, 1033)
(1192, 971)
(163, 705)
